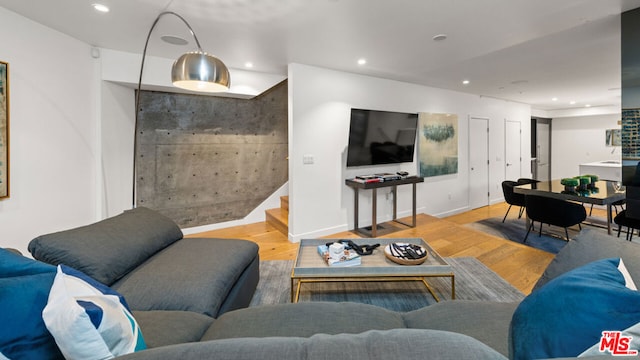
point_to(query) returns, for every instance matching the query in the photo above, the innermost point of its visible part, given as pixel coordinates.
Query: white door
(543, 152)
(478, 162)
(512, 150)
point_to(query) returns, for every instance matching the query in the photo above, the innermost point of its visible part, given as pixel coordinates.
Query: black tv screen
(381, 137)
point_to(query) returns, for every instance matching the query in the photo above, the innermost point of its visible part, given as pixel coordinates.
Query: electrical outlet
(307, 159)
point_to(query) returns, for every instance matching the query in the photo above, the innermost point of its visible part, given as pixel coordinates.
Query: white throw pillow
(88, 320)
(629, 283)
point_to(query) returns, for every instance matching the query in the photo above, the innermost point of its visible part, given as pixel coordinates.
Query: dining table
(603, 192)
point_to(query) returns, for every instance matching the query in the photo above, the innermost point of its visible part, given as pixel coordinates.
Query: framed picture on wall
(4, 129)
(613, 137)
(437, 144)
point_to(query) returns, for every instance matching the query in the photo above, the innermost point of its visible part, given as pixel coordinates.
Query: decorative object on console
(438, 144)
(195, 71)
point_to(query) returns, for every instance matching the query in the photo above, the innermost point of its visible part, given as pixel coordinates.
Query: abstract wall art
(4, 130)
(613, 137)
(437, 144)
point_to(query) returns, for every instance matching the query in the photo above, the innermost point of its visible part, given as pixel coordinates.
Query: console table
(356, 186)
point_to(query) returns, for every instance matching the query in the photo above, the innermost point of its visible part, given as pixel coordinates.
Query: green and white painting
(437, 144)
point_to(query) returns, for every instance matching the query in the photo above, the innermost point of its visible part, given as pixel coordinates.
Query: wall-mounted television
(381, 137)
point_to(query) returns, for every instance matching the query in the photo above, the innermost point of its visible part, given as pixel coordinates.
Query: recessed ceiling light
(362, 61)
(587, 105)
(465, 82)
(572, 102)
(440, 37)
(554, 99)
(248, 64)
(101, 8)
(174, 40)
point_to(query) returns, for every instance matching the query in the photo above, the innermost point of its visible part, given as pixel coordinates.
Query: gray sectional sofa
(143, 255)
(189, 297)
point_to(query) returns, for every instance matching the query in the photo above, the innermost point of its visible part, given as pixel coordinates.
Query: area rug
(516, 229)
(473, 281)
(552, 239)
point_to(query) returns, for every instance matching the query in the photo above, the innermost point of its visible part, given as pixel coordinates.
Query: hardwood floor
(518, 264)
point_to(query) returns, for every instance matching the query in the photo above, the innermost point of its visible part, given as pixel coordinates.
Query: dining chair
(614, 205)
(523, 181)
(546, 210)
(512, 198)
(622, 220)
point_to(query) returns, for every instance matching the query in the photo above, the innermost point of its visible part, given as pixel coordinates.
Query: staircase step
(278, 218)
(284, 202)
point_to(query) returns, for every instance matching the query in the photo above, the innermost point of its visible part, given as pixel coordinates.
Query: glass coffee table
(309, 267)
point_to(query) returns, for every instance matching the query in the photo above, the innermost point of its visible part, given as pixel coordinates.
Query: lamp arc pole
(198, 67)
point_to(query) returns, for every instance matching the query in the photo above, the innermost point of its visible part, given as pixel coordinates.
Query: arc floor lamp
(195, 71)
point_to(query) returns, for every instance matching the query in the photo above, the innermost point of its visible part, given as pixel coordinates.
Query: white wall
(71, 139)
(117, 119)
(320, 101)
(580, 139)
(53, 152)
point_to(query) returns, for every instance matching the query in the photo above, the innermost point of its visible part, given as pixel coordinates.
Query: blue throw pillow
(24, 290)
(568, 314)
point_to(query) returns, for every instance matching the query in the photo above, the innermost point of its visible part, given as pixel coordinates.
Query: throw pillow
(24, 288)
(568, 314)
(89, 320)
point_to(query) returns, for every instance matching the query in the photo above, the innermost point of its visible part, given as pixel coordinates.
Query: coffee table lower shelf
(295, 287)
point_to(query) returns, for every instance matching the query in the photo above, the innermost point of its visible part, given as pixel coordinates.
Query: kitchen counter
(605, 170)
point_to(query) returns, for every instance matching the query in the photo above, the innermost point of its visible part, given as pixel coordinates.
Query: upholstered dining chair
(546, 210)
(614, 205)
(523, 181)
(622, 220)
(512, 198)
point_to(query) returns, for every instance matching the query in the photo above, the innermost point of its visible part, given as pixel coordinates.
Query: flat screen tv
(381, 137)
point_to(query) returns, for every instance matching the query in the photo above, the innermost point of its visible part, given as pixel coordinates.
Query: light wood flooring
(518, 264)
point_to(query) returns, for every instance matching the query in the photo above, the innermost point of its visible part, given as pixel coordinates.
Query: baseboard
(318, 233)
(452, 212)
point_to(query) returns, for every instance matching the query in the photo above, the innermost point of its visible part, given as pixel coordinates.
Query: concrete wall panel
(204, 160)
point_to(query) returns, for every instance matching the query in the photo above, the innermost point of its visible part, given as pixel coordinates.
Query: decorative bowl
(397, 252)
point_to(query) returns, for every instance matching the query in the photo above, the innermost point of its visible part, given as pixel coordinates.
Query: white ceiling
(522, 50)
